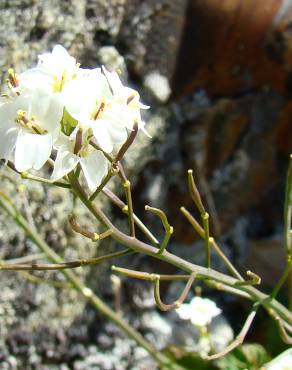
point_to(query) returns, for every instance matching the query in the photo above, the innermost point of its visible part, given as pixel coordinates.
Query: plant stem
(87, 293)
(282, 280)
(202, 272)
(119, 203)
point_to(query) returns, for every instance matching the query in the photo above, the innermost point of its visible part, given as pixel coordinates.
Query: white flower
(89, 100)
(93, 163)
(28, 127)
(52, 72)
(59, 105)
(200, 311)
(126, 101)
(282, 362)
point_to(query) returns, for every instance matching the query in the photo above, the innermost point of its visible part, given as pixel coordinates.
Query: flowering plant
(81, 122)
(82, 114)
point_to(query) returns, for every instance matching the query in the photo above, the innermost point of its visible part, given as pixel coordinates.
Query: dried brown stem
(127, 143)
(63, 265)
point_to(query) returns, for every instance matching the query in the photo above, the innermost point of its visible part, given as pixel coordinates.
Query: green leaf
(68, 123)
(247, 356)
(189, 360)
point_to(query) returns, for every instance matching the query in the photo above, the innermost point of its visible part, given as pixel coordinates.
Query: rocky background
(218, 77)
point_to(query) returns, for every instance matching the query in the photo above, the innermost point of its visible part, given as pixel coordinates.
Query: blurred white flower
(200, 311)
(282, 362)
(93, 163)
(29, 126)
(158, 85)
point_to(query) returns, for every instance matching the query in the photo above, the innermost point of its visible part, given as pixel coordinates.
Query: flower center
(13, 80)
(59, 82)
(30, 123)
(98, 110)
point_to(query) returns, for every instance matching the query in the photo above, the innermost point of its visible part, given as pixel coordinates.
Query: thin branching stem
(167, 228)
(195, 195)
(64, 265)
(87, 293)
(253, 279)
(286, 337)
(179, 301)
(119, 203)
(240, 337)
(282, 280)
(25, 259)
(87, 233)
(127, 187)
(104, 182)
(148, 276)
(205, 220)
(127, 143)
(287, 227)
(28, 176)
(202, 272)
(288, 212)
(214, 245)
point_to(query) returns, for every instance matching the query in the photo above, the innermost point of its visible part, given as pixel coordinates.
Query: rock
(224, 69)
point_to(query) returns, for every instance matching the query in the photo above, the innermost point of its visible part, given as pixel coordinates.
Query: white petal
(48, 110)
(8, 138)
(95, 168)
(35, 79)
(118, 134)
(65, 162)
(32, 151)
(184, 311)
(100, 132)
(113, 80)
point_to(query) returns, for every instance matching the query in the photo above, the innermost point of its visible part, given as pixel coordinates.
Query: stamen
(23, 120)
(78, 141)
(100, 110)
(12, 80)
(130, 98)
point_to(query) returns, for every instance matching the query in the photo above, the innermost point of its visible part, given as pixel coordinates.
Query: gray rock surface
(232, 128)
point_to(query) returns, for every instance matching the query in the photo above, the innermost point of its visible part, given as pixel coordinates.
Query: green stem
(282, 280)
(288, 212)
(205, 220)
(287, 227)
(97, 303)
(202, 272)
(167, 228)
(102, 185)
(119, 203)
(28, 176)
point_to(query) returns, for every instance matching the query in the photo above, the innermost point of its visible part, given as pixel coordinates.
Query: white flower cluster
(59, 106)
(200, 311)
